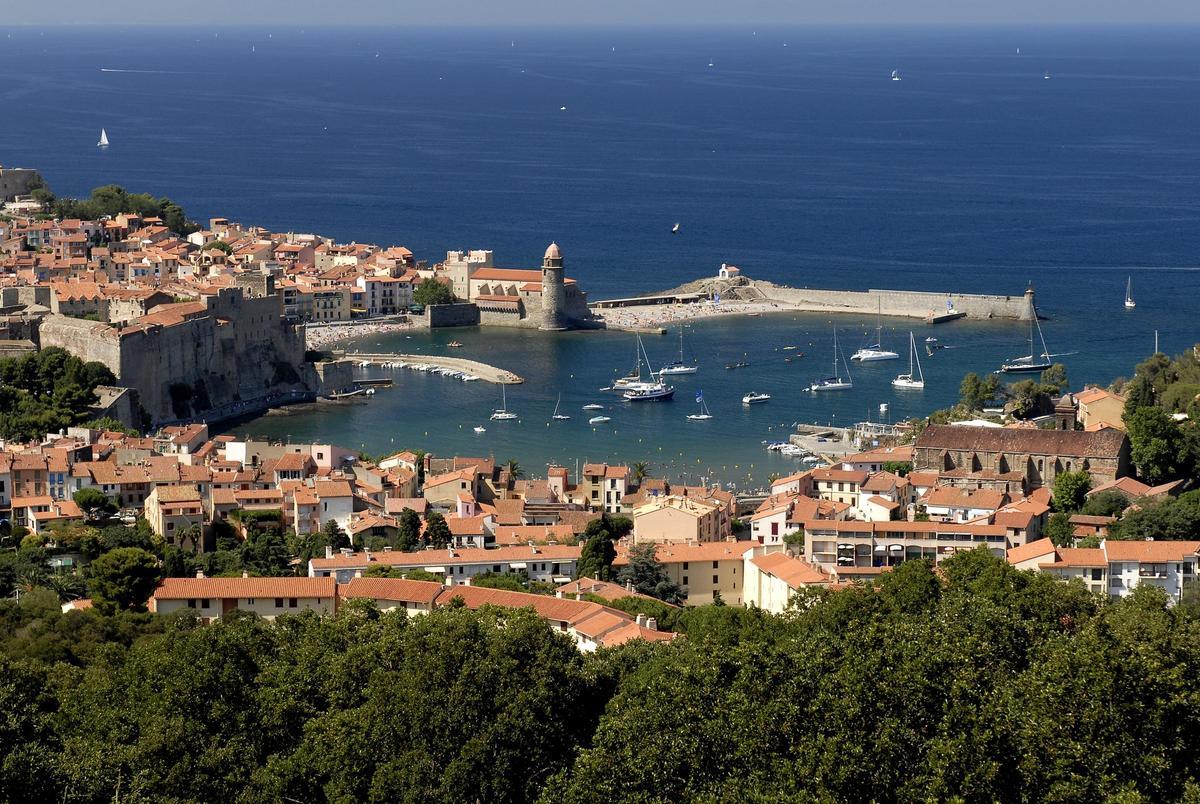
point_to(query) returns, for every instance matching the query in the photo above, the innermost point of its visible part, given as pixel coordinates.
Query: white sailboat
(703, 415)
(875, 351)
(556, 415)
(655, 390)
(1129, 302)
(503, 414)
(834, 382)
(678, 366)
(909, 380)
(895, 75)
(103, 143)
(1030, 362)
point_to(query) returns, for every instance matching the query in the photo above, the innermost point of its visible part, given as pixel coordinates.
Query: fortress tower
(554, 295)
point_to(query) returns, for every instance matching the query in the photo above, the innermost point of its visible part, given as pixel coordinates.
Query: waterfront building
(552, 563)
(705, 570)
(836, 545)
(1036, 456)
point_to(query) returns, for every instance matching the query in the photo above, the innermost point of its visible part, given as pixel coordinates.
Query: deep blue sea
(793, 156)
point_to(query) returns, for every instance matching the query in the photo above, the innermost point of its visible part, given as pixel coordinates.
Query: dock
(483, 371)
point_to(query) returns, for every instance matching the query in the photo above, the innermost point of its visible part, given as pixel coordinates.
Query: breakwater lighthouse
(554, 295)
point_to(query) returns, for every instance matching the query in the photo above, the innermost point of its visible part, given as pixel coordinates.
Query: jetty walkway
(483, 371)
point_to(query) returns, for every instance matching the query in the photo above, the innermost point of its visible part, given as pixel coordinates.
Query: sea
(1062, 157)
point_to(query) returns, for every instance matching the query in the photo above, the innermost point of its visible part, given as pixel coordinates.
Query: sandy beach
(660, 315)
(321, 336)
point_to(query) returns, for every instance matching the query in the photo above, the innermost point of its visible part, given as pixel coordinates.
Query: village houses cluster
(957, 488)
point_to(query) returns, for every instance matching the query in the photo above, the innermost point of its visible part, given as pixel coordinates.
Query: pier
(483, 371)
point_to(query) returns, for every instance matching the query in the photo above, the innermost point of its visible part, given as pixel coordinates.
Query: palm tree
(514, 469)
(640, 470)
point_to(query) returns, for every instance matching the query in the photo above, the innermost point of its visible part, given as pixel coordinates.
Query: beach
(319, 337)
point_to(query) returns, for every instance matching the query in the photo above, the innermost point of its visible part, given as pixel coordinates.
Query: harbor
(458, 367)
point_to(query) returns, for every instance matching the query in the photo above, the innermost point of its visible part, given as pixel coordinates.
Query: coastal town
(503, 407)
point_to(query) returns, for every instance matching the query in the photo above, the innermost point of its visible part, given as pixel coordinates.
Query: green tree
(647, 575)
(901, 468)
(437, 532)
(514, 469)
(1060, 530)
(1055, 378)
(408, 535)
(639, 470)
(123, 578)
(598, 553)
(334, 535)
(1157, 446)
(1164, 520)
(265, 551)
(1070, 490)
(432, 291)
(1105, 503)
(499, 580)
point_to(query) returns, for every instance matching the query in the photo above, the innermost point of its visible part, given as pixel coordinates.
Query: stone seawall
(907, 303)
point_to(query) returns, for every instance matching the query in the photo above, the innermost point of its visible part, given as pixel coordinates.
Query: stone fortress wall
(236, 357)
(18, 181)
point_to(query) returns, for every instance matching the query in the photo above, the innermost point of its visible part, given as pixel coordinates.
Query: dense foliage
(112, 200)
(47, 391)
(431, 291)
(1162, 448)
(979, 682)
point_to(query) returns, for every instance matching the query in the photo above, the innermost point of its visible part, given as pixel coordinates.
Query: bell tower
(554, 294)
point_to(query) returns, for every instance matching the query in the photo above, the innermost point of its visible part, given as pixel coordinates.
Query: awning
(436, 570)
(518, 565)
(895, 548)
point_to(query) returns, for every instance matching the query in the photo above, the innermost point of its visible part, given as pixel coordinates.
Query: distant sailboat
(1046, 77)
(1030, 362)
(503, 413)
(556, 415)
(1129, 302)
(909, 380)
(895, 75)
(675, 229)
(875, 351)
(834, 382)
(703, 415)
(103, 139)
(678, 366)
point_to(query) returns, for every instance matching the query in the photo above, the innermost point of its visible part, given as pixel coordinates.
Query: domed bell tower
(554, 293)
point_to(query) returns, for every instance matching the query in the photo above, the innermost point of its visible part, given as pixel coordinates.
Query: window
(170, 526)
(191, 603)
(495, 568)
(774, 531)
(291, 602)
(249, 601)
(203, 602)
(714, 580)
(278, 602)
(714, 565)
(685, 580)
(1097, 574)
(685, 565)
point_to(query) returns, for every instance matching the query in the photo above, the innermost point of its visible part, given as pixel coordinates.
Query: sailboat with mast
(834, 382)
(703, 415)
(556, 415)
(1129, 302)
(503, 414)
(909, 380)
(875, 351)
(103, 143)
(1030, 362)
(655, 390)
(679, 366)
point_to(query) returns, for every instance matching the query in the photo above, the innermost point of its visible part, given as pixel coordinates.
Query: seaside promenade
(483, 371)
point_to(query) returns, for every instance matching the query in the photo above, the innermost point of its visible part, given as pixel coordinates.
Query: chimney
(245, 574)
(629, 585)
(641, 620)
(199, 573)
(329, 551)
(358, 573)
(558, 594)
(651, 624)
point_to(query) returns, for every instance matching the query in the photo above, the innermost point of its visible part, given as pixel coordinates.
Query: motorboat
(593, 406)
(480, 429)
(599, 420)
(910, 380)
(754, 397)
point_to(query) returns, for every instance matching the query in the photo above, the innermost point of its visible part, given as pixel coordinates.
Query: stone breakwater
(483, 371)
(742, 295)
